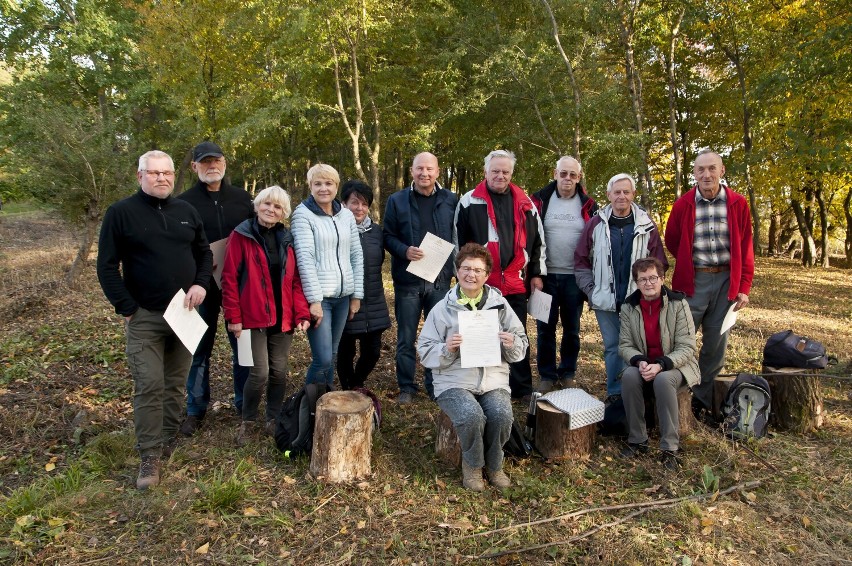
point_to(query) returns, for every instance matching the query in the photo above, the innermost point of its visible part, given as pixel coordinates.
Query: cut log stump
(447, 445)
(797, 403)
(343, 437)
(721, 385)
(555, 440)
(686, 419)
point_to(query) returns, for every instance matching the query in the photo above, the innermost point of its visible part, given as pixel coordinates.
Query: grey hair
(500, 153)
(275, 195)
(156, 154)
(620, 177)
(579, 165)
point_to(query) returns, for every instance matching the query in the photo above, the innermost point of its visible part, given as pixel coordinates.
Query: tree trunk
(628, 10)
(774, 237)
(672, 95)
(847, 205)
(575, 89)
(823, 225)
(87, 240)
(556, 440)
(797, 403)
(808, 244)
(342, 437)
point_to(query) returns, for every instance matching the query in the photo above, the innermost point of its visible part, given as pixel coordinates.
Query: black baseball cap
(206, 149)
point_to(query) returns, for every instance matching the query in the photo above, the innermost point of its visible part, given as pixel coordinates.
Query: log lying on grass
(343, 437)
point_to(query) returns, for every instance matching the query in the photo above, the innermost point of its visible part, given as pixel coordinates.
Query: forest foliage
(637, 86)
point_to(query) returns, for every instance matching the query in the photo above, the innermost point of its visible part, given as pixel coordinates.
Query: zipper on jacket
(337, 254)
(163, 216)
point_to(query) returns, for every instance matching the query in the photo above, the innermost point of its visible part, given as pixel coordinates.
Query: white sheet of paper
(480, 345)
(435, 254)
(539, 305)
(218, 249)
(186, 323)
(730, 319)
(244, 357)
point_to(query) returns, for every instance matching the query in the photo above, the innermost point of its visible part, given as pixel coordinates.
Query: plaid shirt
(711, 246)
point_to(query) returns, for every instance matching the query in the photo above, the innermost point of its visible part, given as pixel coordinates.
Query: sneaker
(191, 424)
(669, 460)
(472, 478)
(169, 447)
(631, 450)
(546, 386)
(149, 473)
(405, 397)
(498, 479)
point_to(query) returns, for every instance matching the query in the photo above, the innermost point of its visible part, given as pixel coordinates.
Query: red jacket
(680, 232)
(247, 296)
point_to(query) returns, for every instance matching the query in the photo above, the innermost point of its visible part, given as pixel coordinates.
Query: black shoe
(631, 450)
(669, 460)
(191, 424)
(611, 399)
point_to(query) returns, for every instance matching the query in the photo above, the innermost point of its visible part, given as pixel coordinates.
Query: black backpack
(747, 406)
(294, 427)
(787, 349)
(517, 446)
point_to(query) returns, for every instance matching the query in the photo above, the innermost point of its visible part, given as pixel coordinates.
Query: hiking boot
(169, 447)
(546, 386)
(405, 397)
(669, 460)
(149, 472)
(191, 424)
(269, 429)
(472, 478)
(244, 433)
(631, 450)
(498, 479)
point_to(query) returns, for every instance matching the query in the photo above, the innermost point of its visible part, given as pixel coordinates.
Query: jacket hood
(251, 229)
(490, 295)
(643, 222)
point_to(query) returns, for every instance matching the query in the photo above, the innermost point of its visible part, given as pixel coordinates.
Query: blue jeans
(610, 326)
(325, 338)
(198, 379)
(568, 301)
(409, 303)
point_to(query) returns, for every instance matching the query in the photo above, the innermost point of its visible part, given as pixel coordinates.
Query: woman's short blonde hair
(323, 171)
(275, 195)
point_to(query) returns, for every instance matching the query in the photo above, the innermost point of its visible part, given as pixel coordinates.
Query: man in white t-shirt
(564, 208)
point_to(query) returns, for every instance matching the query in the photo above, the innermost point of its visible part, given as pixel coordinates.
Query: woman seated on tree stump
(477, 400)
(657, 341)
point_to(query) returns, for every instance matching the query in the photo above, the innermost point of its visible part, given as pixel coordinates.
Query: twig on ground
(586, 534)
(760, 458)
(320, 506)
(643, 505)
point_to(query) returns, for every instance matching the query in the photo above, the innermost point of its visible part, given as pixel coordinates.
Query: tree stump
(447, 445)
(686, 419)
(342, 437)
(555, 440)
(796, 399)
(721, 385)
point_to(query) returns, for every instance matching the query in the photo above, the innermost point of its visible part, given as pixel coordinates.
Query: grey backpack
(746, 409)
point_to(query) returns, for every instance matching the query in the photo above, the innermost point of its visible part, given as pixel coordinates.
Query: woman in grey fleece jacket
(477, 400)
(331, 266)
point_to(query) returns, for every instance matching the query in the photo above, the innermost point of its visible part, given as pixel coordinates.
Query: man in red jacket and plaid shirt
(710, 235)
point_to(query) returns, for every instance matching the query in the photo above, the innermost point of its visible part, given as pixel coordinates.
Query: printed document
(435, 254)
(480, 345)
(186, 323)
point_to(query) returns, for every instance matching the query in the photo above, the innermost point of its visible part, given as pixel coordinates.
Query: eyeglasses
(573, 175)
(154, 174)
(648, 280)
(475, 270)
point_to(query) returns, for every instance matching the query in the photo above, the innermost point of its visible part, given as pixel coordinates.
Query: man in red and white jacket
(709, 233)
(500, 216)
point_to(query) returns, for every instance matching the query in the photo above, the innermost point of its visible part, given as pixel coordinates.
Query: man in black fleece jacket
(222, 207)
(159, 244)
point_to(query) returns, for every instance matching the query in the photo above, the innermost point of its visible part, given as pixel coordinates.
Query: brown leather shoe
(149, 473)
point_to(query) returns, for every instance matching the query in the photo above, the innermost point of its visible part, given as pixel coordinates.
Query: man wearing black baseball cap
(222, 207)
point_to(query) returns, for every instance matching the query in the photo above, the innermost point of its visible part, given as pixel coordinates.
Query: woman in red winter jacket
(262, 292)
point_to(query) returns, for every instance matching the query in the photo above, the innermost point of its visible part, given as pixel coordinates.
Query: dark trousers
(567, 302)
(198, 379)
(520, 373)
(410, 301)
(353, 374)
